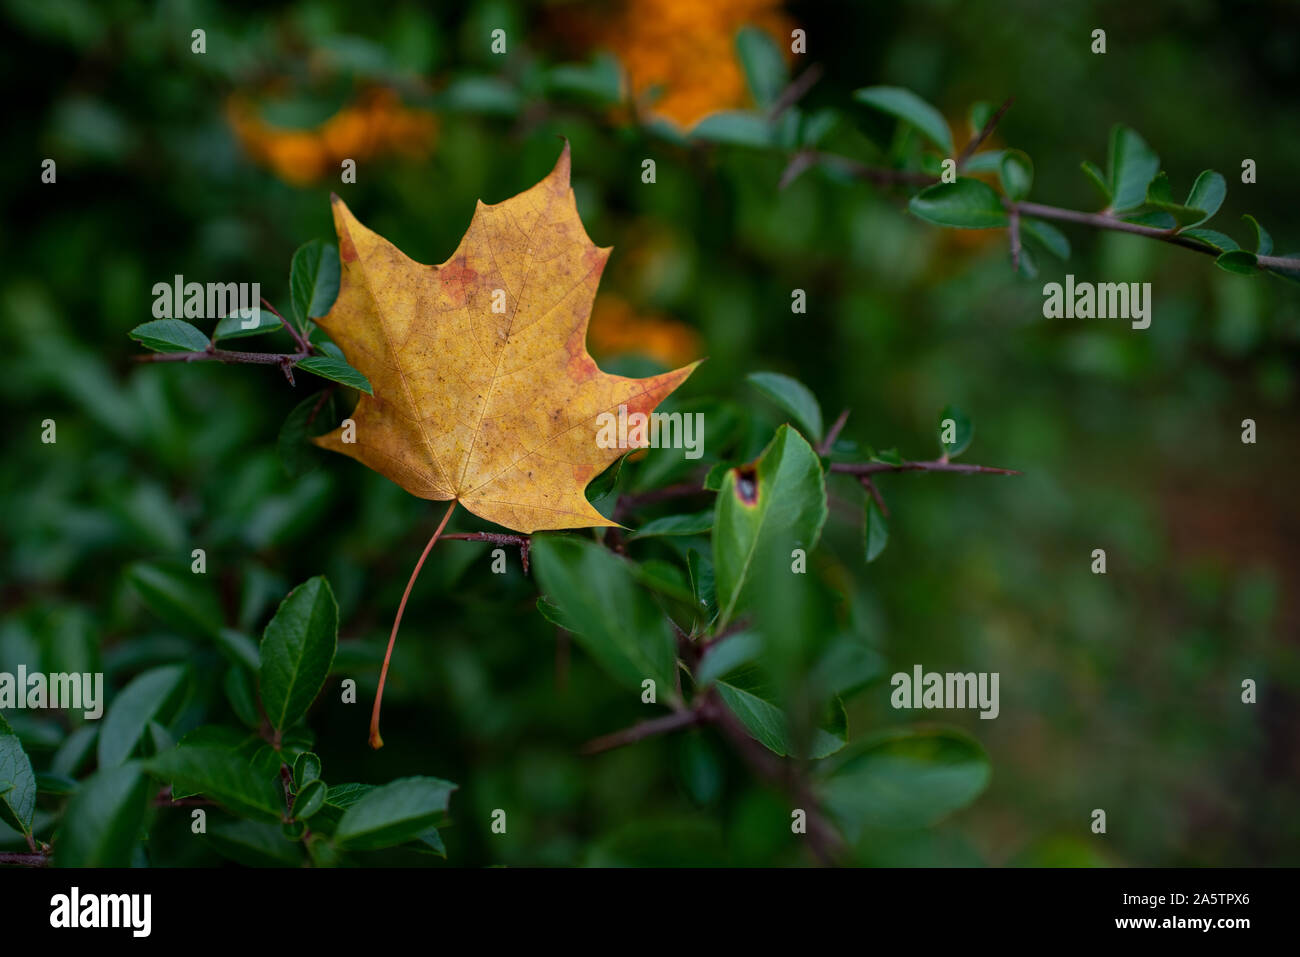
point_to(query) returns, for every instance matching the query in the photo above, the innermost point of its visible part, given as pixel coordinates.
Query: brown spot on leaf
(747, 484)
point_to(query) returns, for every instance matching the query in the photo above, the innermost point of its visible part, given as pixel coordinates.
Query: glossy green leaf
(1016, 171)
(1051, 238)
(1263, 241)
(965, 204)
(229, 777)
(259, 321)
(309, 799)
(152, 696)
(911, 109)
(763, 64)
(614, 619)
(904, 779)
(961, 432)
(1218, 240)
(696, 523)
(313, 280)
(794, 398)
(254, 844)
(1097, 178)
(297, 649)
(876, 532)
(394, 813)
(776, 503)
(328, 367)
(770, 727)
(101, 824)
(177, 597)
(306, 768)
(1133, 165)
(17, 782)
(170, 335)
(735, 127)
(1239, 261)
(1207, 194)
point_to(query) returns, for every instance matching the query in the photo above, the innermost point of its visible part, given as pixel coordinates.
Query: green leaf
(911, 109)
(242, 696)
(725, 656)
(313, 280)
(1202, 203)
(736, 127)
(306, 768)
(297, 454)
(178, 598)
(17, 782)
(616, 621)
(1133, 165)
(1239, 261)
(170, 335)
(1207, 194)
(1218, 240)
(769, 725)
(696, 523)
(226, 776)
(1097, 178)
(601, 80)
(1263, 241)
(151, 696)
(343, 796)
(989, 161)
(962, 429)
(904, 779)
(794, 398)
(254, 844)
(393, 814)
(327, 367)
(297, 649)
(309, 799)
(777, 502)
(605, 482)
(965, 204)
(1017, 174)
(101, 823)
(981, 112)
(763, 64)
(876, 534)
(232, 326)
(1051, 238)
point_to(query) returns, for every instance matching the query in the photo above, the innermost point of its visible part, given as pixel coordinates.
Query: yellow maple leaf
(484, 392)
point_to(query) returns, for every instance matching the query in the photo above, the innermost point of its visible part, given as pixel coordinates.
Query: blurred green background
(1119, 692)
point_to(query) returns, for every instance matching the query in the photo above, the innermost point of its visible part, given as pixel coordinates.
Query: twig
(983, 134)
(1013, 229)
(936, 465)
(39, 859)
(833, 434)
(305, 347)
(795, 92)
(874, 492)
(524, 542)
(643, 730)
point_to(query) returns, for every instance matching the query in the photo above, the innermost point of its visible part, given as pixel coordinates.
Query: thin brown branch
(833, 434)
(305, 347)
(643, 730)
(795, 92)
(38, 859)
(1013, 230)
(936, 465)
(524, 542)
(874, 492)
(969, 150)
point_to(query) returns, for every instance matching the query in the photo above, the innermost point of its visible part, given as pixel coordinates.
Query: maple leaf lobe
(483, 387)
